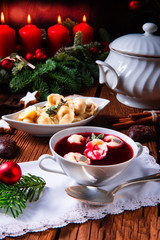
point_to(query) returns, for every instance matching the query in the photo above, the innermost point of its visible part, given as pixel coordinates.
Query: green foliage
(86, 76)
(43, 90)
(93, 69)
(68, 23)
(100, 136)
(14, 197)
(53, 109)
(69, 70)
(22, 80)
(17, 67)
(48, 66)
(78, 40)
(5, 76)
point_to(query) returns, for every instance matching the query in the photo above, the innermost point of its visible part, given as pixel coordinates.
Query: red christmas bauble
(40, 56)
(30, 57)
(10, 173)
(40, 50)
(7, 64)
(134, 5)
(93, 51)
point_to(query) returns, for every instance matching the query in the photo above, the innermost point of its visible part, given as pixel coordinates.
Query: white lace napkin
(56, 209)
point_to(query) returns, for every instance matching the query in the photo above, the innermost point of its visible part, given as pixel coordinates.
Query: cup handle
(43, 167)
(140, 149)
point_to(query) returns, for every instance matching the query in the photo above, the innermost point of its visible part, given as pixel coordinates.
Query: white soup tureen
(132, 68)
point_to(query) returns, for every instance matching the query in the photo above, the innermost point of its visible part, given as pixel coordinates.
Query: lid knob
(149, 28)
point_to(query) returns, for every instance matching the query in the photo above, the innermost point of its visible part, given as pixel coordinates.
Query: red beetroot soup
(114, 155)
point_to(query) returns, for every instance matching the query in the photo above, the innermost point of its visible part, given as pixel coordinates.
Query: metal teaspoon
(96, 196)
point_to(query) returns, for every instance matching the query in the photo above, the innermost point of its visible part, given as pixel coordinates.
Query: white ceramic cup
(95, 175)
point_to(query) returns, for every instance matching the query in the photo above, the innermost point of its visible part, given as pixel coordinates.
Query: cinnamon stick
(146, 120)
(135, 116)
(139, 115)
(123, 125)
(124, 119)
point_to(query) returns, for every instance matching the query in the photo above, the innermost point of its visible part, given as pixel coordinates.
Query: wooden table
(143, 223)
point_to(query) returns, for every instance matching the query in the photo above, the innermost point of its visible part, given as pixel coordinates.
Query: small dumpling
(70, 103)
(55, 119)
(79, 105)
(79, 117)
(28, 120)
(76, 138)
(40, 110)
(113, 141)
(44, 119)
(91, 106)
(54, 99)
(77, 157)
(65, 115)
(29, 112)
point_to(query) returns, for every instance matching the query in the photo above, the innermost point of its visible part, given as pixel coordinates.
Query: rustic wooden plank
(128, 225)
(28, 152)
(84, 231)
(76, 231)
(90, 91)
(69, 232)
(45, 235)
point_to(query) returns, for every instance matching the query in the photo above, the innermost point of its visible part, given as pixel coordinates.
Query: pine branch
(67, 77)
(55, 87)
(13, 198)
(78, 39)
(22, 80)
(70, 69)
(68, 23)
(48, 66)
(86, 76)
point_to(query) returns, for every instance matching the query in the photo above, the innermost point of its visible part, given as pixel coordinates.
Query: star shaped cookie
(30, 98)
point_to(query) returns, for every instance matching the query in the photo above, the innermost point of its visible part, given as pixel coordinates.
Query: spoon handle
(154, 177)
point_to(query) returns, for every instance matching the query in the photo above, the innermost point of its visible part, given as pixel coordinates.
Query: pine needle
(13, 198)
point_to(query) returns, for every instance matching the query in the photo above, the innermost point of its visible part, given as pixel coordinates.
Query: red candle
(85, 29)
(30, 37)
(7, 39)
(58, 36)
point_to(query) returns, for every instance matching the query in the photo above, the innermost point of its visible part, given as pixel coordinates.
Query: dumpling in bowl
(54, 99)
(65, 115)
(29, 115)
(91, 107)
(44, 119)
(79, 106)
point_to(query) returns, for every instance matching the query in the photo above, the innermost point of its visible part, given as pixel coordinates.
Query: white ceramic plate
(48, 130)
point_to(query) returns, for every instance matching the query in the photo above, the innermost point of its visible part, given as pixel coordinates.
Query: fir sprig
(13, 198)
(69, 70)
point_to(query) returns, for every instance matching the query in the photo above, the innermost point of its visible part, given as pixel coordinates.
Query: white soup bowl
(94, 175)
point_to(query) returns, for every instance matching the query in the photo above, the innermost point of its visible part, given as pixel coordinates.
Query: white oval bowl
(49, 129)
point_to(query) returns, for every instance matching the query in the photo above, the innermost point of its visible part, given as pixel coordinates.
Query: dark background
(114, 15)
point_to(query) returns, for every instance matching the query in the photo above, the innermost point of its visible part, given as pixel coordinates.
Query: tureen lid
(145, 44)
